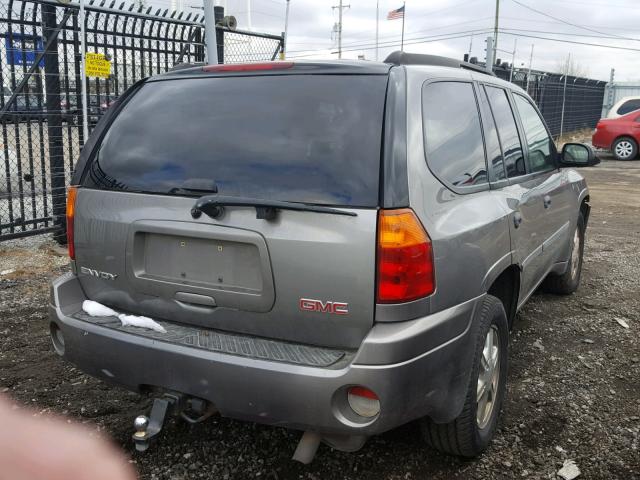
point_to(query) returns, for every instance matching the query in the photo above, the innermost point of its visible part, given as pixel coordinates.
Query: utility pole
(338, 27)
(495, 29)
(286, 32)
(377, 25)
(249, 26)
(488, 59)
(611, 93)
(470, 45)
(210, 31)
(513, 59)
(529, 72)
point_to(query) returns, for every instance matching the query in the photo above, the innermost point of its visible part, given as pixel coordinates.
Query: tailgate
(145, 254)
(309, 140)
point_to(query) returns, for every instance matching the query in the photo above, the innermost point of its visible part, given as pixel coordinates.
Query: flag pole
(404, 14)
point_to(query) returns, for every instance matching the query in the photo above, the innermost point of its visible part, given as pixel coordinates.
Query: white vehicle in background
(623, 106)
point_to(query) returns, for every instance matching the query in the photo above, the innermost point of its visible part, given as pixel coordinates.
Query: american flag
(395, 14)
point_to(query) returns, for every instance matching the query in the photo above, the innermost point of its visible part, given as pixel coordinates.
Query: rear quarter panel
(470, 233)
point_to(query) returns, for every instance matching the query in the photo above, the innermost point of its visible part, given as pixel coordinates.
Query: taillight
(405, 257)
(248, 67)
(71, 209)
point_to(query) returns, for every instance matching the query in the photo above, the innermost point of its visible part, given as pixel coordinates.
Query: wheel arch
(585, 209)
(624, 135)
(506, 287)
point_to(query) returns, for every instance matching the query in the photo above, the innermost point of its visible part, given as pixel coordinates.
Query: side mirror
(578, 155)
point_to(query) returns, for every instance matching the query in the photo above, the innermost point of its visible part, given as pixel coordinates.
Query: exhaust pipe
(308, 445)
(307, 448)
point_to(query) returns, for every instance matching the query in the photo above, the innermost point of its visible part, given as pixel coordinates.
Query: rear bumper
(416, 368)
(600, 139)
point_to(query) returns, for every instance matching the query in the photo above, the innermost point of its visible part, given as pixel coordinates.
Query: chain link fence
(566, 106)
(41, 103)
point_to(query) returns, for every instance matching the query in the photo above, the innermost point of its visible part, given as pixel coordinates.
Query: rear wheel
(625, 148)
(471, 432)
(569, 281)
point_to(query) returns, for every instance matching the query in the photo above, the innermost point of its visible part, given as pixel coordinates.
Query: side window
(629, 106)
(453, 139)
(538, 140)
(508, 131)
(492, 141)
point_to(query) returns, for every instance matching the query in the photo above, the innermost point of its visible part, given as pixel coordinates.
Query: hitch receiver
(147, 428)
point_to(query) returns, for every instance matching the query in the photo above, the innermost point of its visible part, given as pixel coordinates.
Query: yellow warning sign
(97, 65)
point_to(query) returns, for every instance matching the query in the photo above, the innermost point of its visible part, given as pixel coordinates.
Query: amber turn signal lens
(405, 258)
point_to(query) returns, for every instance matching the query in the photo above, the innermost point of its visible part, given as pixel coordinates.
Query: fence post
(54, 122)
(199, 49)
(218, 15)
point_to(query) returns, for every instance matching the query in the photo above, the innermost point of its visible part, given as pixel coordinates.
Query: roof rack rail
(184, 65)
(403, 58)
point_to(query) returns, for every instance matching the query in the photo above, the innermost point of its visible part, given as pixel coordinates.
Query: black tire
(621, 153)
(569, 281)
(464, 436)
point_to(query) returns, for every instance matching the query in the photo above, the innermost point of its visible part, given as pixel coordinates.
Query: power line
(446, 36)
(367, 42)
(608, 37)
(516, 19)
(569, 23)
(616, 47)
(463, 34)
(614, 5)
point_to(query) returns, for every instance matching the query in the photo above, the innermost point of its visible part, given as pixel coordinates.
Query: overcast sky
(430, 24)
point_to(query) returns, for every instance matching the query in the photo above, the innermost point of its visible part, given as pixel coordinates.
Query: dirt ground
(574, 379)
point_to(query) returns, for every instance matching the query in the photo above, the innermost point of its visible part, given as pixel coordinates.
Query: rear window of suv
(301, 138)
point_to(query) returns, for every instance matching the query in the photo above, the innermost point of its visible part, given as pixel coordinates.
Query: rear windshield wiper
(213, 206)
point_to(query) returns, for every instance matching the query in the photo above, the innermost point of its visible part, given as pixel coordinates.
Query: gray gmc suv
(335, 247)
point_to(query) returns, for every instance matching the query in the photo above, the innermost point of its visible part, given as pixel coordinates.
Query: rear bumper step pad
(223, 342)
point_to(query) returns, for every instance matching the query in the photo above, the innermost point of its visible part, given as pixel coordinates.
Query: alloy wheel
(488, 377)
(624, 149)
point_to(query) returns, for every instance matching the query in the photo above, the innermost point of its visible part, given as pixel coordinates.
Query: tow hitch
(148, 427)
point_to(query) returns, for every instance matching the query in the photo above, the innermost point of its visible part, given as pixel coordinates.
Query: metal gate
(41, 103)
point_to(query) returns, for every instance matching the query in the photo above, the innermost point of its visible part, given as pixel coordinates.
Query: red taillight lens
(248, 67)
(71, 209)
(363, 401)
(405, 257)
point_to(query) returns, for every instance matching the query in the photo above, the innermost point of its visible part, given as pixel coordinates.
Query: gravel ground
(574, 379)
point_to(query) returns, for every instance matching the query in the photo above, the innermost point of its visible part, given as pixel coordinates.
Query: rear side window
(508, 131)
(629, 106)
(452, 133)
(301, 138)
(538, 141)
(492, 141)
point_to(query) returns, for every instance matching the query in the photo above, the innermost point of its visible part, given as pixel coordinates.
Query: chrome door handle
(547, 201)
(517, 219)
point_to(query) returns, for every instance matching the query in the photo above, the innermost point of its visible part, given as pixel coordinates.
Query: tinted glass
(301, 138)
(492, 142)
(508, 131)
(538, 140)
(453, 139)
(629, 106)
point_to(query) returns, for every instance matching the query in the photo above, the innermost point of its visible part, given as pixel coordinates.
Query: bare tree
(571, 67)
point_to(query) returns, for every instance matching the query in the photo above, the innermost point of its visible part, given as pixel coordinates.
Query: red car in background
(619, 135)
